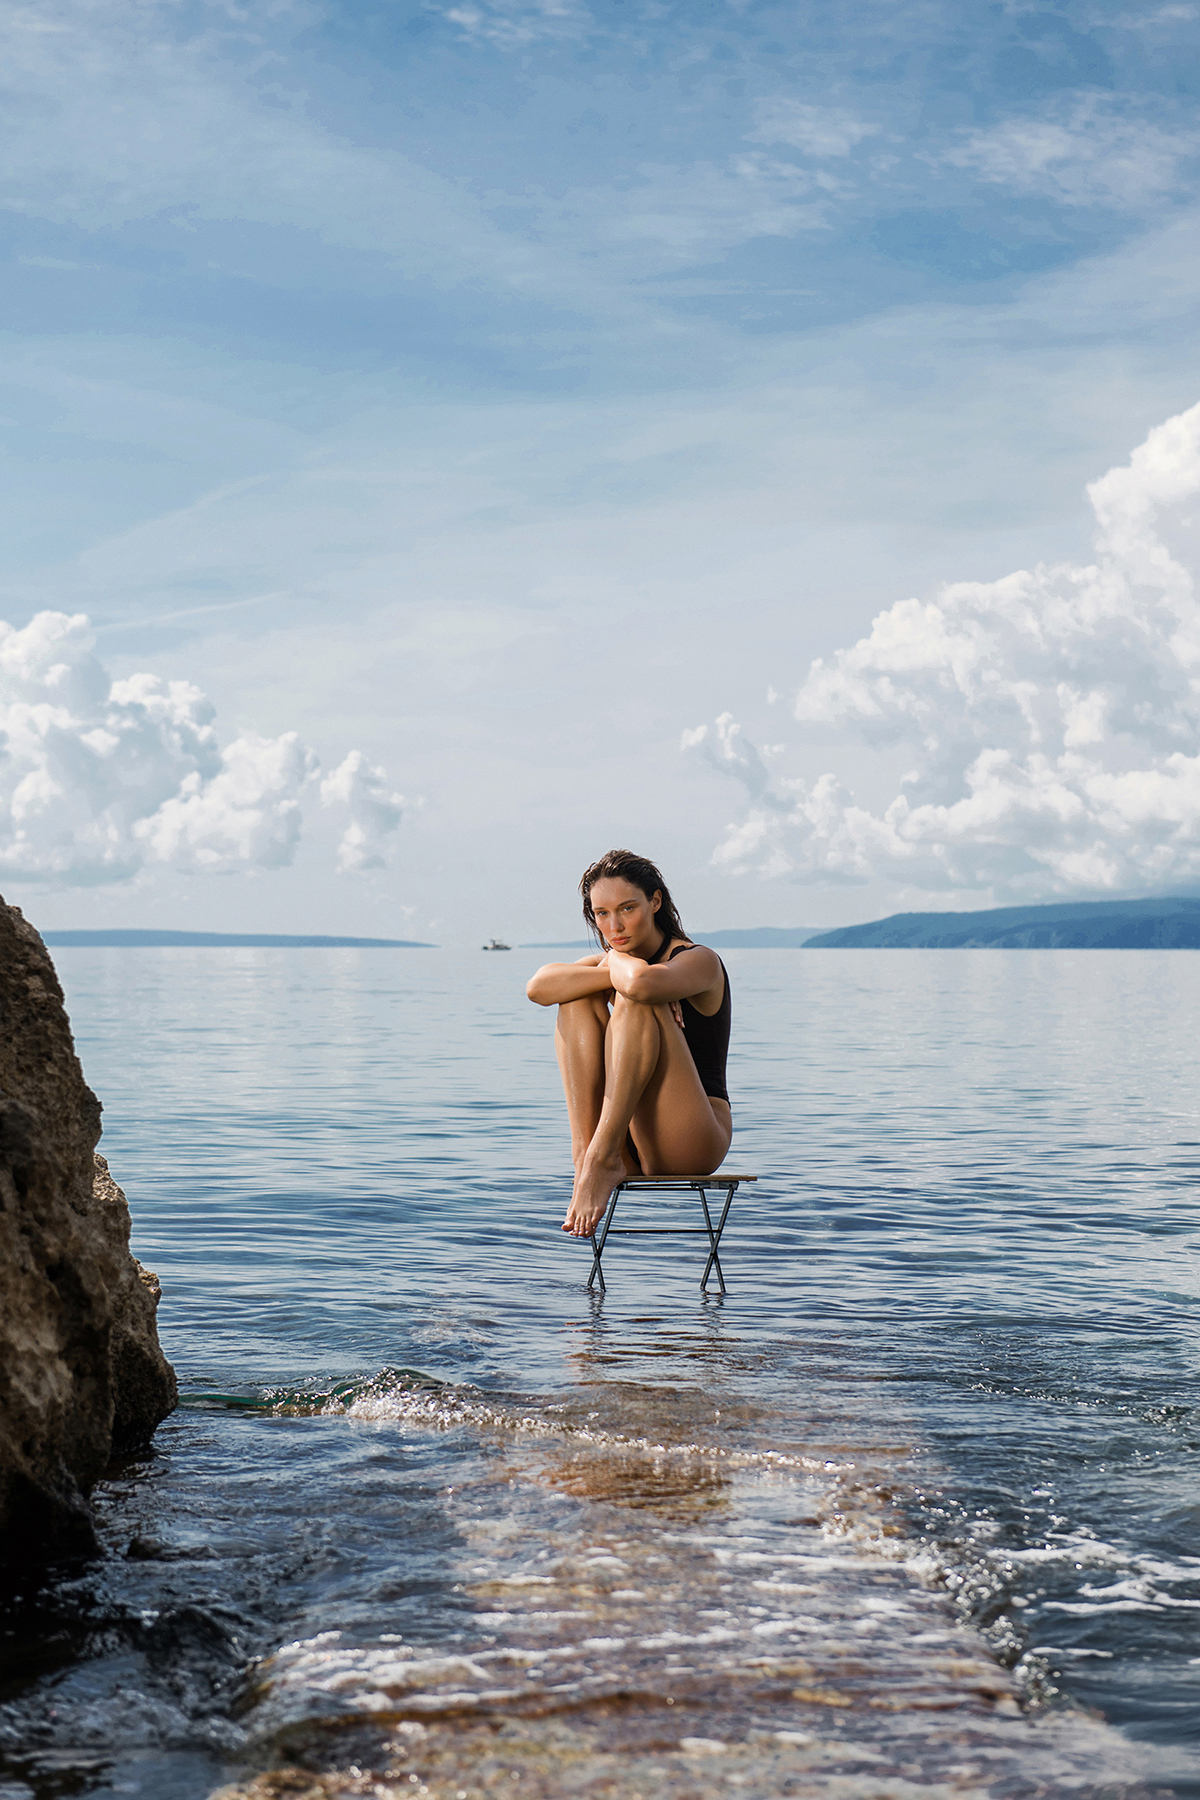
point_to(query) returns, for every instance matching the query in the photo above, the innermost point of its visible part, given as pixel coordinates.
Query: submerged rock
(81, 1370)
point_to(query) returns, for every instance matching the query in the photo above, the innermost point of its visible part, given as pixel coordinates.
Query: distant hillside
(220, 940)
(1162, 924)
(759, 937)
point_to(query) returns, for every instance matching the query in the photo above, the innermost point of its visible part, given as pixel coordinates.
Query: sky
(442, 442)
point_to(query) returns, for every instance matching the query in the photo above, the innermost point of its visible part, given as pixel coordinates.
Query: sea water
(910, 1510)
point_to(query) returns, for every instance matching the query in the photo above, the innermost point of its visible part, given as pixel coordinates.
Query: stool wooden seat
(675, 1184)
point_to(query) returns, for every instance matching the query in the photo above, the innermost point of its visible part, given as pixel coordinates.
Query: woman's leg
(579, 1045)
(676, 1127)
(652, 1092)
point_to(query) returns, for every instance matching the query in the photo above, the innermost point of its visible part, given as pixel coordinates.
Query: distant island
(219, 940)
(1162, 924)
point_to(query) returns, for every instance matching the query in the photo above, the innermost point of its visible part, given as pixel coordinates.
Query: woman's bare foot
(593, 1189)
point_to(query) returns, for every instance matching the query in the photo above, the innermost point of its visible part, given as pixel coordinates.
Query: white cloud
(132, 112)
(731, 752)
(1085, 153)
(511, 24)
(374, 812)
(818, 130)
(140, 112)
(1048, 723)
(1159, 15)
(674, 216)
(246, 816)
(100, 779)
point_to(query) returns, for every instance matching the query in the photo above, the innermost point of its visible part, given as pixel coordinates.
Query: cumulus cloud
(374, 812)
(1048, 724)
(730, 752)
(100, 779)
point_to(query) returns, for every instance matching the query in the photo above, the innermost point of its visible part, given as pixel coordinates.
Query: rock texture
(81, 1371)
(144, 1389)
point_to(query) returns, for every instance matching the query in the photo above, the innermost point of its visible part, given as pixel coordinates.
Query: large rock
(81, 1371)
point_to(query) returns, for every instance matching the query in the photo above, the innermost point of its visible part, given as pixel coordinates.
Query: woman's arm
(691, 975)
(555, 983)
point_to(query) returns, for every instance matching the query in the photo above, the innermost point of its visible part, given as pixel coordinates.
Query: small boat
(495, 944)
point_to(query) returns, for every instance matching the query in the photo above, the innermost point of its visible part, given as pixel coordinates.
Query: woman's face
(626, 916)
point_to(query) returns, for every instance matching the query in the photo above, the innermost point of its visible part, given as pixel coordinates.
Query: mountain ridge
(1166, 922)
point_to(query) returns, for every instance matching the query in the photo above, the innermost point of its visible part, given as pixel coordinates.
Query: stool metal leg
(714, 1237)
(598, 1246)
(678, 1185)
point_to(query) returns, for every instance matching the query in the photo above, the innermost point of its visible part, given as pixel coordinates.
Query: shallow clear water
(912, 1509)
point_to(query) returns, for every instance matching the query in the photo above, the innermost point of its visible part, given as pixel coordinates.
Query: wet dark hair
(639, 872)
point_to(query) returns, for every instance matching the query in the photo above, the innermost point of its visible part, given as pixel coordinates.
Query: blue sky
(501, 391)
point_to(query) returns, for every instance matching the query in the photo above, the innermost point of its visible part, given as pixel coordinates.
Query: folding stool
(698, 1184)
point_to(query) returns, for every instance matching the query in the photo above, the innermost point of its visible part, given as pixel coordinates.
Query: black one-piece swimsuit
(707, 1034)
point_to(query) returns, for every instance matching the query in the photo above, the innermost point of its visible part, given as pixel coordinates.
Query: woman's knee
(587, 1008)
(633, 1013)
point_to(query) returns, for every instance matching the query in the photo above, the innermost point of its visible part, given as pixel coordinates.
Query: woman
(642, 1036)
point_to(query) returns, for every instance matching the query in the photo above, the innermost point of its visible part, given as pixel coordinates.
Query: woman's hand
(694, 974)
(630, 967)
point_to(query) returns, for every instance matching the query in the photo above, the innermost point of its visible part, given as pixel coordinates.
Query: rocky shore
(81, 1371)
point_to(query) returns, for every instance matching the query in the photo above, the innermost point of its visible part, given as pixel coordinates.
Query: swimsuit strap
(658, 954)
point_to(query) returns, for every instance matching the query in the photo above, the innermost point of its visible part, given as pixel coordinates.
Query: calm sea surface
(913, 1510)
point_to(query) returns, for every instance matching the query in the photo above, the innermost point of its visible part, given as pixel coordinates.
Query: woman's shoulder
(679, 944)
